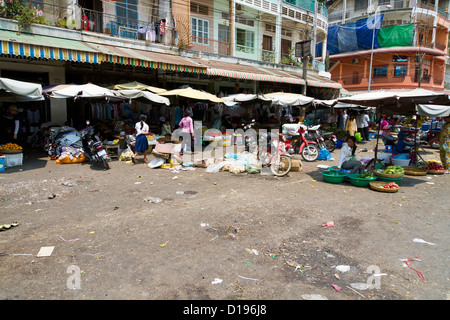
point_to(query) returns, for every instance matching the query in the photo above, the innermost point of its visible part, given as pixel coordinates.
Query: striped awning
(50, 53)
(51, 48)
(252, 76)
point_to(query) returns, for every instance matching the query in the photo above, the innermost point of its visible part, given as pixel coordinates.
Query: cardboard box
(296, 165)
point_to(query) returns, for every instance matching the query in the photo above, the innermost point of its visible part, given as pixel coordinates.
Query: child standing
(141, 140)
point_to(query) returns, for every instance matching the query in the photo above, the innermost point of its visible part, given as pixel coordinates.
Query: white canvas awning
(20, 90)
(234, 99)
(430, 110)
(87, 91)
(288, 99)
(138, 94)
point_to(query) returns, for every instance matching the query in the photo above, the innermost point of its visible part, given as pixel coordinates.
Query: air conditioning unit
(355, 61)
(239, 8)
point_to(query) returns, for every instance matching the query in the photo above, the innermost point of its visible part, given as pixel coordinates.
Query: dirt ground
(261, 235)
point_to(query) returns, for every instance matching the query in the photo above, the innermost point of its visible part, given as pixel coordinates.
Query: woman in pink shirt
(186, 125)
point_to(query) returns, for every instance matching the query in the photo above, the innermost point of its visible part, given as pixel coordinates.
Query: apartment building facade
(218, 46)
(409, 47)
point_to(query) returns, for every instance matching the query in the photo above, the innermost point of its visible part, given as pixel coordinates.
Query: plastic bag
(324, 154)
(358, 136)
(156, 162)
(237, 166)
(230, 155)
(215, 167)
(66, 159)
(251, 168)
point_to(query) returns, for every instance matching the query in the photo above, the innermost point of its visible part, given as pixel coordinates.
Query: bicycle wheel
(282, 167)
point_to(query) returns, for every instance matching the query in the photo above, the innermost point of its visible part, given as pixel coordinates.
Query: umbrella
(433, 110)
(20, 90)
(138, 94)
(233, 99)
(87, 91)
(288, 99)
(135, 85)
(193, 94)
(397, 102)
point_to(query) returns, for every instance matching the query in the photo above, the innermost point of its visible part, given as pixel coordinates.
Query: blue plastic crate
(2, 163)
(371, 135)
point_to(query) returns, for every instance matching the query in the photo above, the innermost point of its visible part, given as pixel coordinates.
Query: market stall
(11, 153)
(395, 103)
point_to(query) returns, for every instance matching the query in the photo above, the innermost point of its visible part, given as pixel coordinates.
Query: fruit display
(10, 147)
(434, 166)
(394, 170)
(391, 185)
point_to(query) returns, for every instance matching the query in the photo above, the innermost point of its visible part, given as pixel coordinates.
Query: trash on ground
(336, 287)
(355, 291)
(343, 268)
(45, 251)
(163, 245)
(313, 296)
(328, 224)
(8, 226)
(418, 240)
(216, 281)
(406, 264)
(69, 240)
(254, 251)
(359, 285)
(152, 200)
(248, 278)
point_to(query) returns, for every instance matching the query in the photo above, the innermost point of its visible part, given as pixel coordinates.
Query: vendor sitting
(402, 144)
(386, 136)
(166, 130)
(348, 159)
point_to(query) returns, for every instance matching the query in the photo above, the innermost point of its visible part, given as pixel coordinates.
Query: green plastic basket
(359, 182)
(333, 176)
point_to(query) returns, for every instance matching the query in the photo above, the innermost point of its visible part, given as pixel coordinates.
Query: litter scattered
(343, 268)
(69, 183)
(356, 291)
(217, 281)
(328, 224)
(359, 285)
(180, 192)
(254, 251)
(423, 241)
(421, 276)
(336, 287)
(45, 251)
(175, 178)
(247, 278)
(69, 240)
(8, 226)
(313, 296)
(138, 182)
(163, 245)
(152, 200)
(203, 225)
(323, 166)
(430, 182)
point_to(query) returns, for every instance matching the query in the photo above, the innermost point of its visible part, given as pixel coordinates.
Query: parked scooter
(324, 140)
(93, 149)
(299, 143)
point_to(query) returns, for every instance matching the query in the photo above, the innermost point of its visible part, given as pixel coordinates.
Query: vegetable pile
(394, 170)
(390, 185)
(366, 175)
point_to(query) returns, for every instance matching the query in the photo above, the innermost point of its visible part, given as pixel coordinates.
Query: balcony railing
(350, 13)
(100, 22)
(309, 5)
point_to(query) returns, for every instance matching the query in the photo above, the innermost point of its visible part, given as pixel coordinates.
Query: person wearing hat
(17, 122)
(386, 136)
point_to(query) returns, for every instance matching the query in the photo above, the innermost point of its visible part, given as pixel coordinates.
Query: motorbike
(324, 140)
(297, 142)
(93, 149)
